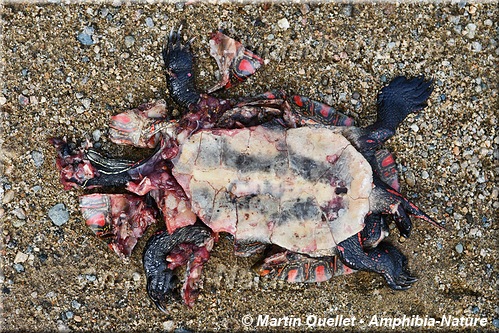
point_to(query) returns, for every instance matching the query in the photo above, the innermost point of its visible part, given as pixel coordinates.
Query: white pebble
(283, 23)
(20, 257)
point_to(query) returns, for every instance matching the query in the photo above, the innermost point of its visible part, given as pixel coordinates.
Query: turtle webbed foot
(400, 98)
(384, 259)
(179, 70)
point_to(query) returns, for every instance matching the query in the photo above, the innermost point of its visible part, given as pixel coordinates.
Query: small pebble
(424, 174)
(8, 196)
(69, 314)
(19, 213)
(168, 325)
(3, 100)
(23, 100)
(283, 24)
(470, 30)
(58, 214)
(476, 47)
(85, 39)
(149, 22)
(20, 257)
(410, 178)
(86, 102)
(459, 248)
(136, 276)
(96, 135)
(37, 158)
(90, 277)
(75, 304)
(347, 10)
(495, 322)
(129, 41)
(77, 319)
(18, 267)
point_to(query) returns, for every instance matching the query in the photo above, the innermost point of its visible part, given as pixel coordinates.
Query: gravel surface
(67, 68)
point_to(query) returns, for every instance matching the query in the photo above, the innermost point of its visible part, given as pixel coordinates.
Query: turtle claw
(165, 252)
(160, 287)
(179, 64)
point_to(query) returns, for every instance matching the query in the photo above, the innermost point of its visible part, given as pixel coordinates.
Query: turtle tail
(389, 201)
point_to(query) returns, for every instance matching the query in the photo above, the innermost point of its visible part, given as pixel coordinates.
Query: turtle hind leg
(294, 267)
(384, 259)
(164, 252)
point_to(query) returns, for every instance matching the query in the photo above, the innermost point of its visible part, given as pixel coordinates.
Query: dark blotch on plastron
(341, 190)
(299, 210)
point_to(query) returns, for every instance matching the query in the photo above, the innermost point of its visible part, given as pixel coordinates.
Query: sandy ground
(63, 278)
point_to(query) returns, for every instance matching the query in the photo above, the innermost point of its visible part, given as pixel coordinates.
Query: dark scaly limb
(295, 267)
(384, 259)
(164, 252)
(395, 102)
(316, 112)
(385, 168)
(375, 230)
(179, 64)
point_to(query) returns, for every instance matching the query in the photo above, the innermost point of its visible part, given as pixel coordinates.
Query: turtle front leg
(179, 69)
(384, 259)
(164, 252)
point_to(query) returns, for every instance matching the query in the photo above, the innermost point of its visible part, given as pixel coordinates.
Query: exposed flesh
(305, 189)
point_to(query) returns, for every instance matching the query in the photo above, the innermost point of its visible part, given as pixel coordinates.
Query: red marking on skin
(324, 111)
(370, 141)
(264, 272)
(332, 158)
(387, 161)
(340, 248)
(394, 193)
(360, 238)
(269, 95)
(297, 100)
(292, 274)
(348, 122)
(320, 274)
(98, 220)
(246, 66)
(122, 118)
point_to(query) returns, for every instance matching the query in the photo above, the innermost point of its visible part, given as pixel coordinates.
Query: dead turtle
(286, 175)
